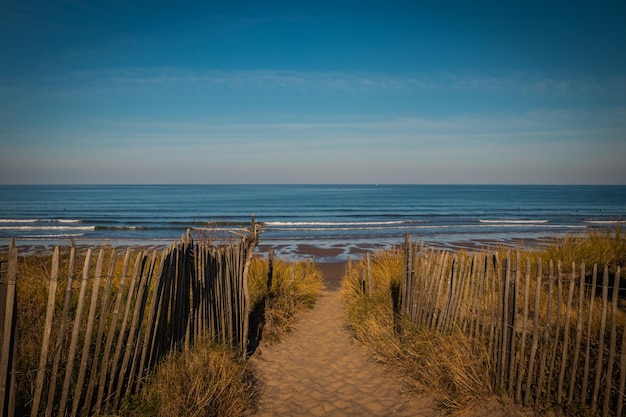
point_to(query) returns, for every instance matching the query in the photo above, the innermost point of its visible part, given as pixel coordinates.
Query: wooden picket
(8, 278)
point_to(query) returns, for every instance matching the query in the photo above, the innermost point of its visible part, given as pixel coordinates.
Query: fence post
(270, 269)
(8, 320)
(45, 344)
(506, 323)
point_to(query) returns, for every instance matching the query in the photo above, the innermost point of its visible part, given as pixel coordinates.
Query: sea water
(314, 214)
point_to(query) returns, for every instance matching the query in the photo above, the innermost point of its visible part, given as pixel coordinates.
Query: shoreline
(321, 251)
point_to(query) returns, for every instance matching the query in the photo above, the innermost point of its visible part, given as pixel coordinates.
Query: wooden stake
(45, 344)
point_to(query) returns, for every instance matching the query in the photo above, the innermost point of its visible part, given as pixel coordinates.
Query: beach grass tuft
(206, 380)
(449, 366)
(605, 247)
(295, 287)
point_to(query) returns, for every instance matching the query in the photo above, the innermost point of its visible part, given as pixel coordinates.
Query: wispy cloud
(516, 82)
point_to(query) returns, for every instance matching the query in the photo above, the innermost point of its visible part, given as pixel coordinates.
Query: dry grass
(207, 380)
(295, 287)
(602, 247)
(450, 366)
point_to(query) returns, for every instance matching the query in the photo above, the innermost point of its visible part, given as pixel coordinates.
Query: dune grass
(206, 380)
(448, 366)
(605, 247)
(295, 287)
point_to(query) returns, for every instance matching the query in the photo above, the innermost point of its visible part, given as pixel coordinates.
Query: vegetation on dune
(449, 366)
(295, 287)
(602, 247)
(454, 366)
(206, 380)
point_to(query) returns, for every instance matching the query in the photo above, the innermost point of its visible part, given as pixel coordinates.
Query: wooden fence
(554, 333)
(114, 324)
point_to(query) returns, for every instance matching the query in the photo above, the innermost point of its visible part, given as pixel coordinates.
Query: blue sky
(312, 92)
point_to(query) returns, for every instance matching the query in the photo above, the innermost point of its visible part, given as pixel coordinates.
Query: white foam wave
(47, 227)
(603, 221)
(18, 220)
(296, 224)
(513, 221)
(55, 236)
(39, 221)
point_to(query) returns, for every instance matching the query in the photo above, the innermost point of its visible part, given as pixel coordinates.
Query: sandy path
(317, 370)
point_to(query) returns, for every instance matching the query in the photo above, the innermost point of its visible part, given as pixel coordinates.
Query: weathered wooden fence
(554, 333)
(114, 324)
(8, 307)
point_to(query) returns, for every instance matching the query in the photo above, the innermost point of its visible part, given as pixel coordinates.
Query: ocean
(318, 215)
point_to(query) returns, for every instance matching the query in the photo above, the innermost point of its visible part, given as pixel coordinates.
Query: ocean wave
(47, 227)
(39, 221)
(18, 220)
(604, 222)
(125, 228)
(55, 236)
(513, 221)
(314, 224)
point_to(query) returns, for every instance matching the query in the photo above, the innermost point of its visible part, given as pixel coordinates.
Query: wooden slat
(429, 266)
(481, 324)
(445, 309)
(62, 328)
(440, 277)
(535, 345)
(600, 356)
(8, 333)
(496, 315)
(132, 306)
(460, 311)
(579, 334)
(522, 354)
(108, 345)
(557, 332)
(546, 338)
(116, 376)
(474, 300)
(151, 325)
(612, 345)
(91, 318)
(97, 365)
(592, 297)
(565, 352)
(512, 324)
(622, 372)
(45, 344)
(506, 330)
(75, 334)
(135, 328)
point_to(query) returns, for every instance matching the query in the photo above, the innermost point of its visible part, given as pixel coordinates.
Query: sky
(478, 92)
